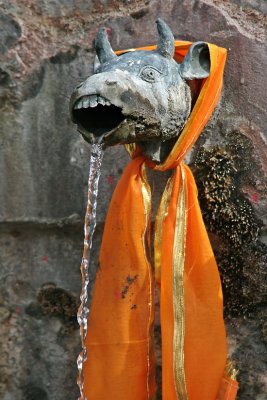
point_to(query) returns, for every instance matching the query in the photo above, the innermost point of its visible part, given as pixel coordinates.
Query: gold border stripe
(161, 214)
(146, 192)
(178, 292)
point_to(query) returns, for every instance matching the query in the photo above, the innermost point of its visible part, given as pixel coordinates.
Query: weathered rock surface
(45, 50)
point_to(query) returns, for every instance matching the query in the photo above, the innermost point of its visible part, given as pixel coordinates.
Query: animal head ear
(102, 47)
(196, 64)
(165, 45)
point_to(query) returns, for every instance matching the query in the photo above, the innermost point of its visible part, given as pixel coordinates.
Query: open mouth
(96, 115)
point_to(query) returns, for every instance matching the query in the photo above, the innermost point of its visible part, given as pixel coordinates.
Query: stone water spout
(145, 97)
(140, 96)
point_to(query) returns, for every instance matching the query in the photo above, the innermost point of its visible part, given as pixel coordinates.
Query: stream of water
(89, 228)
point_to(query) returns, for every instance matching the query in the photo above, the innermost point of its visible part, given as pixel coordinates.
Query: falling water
(89, 227)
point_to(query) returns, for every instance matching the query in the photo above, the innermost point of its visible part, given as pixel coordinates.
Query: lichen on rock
(222, 172)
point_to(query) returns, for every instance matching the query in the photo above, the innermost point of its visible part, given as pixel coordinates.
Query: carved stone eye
(150, 74)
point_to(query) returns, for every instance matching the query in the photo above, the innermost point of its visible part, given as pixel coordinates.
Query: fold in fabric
(120, 346)
(228, 390)
(120, 333)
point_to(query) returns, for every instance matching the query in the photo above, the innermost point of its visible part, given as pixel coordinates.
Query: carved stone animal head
(139, 96)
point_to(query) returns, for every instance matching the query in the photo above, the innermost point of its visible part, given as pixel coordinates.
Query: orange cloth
(121, 362)
(228, 389)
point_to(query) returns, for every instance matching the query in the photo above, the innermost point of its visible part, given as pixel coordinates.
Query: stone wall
(45, 50)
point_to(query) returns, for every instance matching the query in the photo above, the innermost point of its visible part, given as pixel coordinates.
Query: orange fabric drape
(121, 364)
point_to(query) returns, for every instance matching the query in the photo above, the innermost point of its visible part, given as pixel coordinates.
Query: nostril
(110, 82)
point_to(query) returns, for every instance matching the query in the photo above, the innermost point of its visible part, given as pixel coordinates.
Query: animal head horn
(102, 46)
(166, 40)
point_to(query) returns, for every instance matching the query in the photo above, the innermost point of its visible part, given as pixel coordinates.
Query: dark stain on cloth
(129, 281)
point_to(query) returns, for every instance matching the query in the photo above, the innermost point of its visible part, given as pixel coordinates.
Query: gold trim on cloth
(130, 148)
(178, 292)
(146, 192)
(161, 214)
(231, 371)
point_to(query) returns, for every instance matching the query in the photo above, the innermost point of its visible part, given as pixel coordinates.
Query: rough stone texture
(46, 49)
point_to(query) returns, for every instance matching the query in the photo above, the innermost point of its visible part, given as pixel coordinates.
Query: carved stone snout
(140, 96)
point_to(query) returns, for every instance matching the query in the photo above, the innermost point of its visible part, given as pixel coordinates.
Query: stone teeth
(79, 104)
(93, 100)
(101, 100)
(86, 101)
